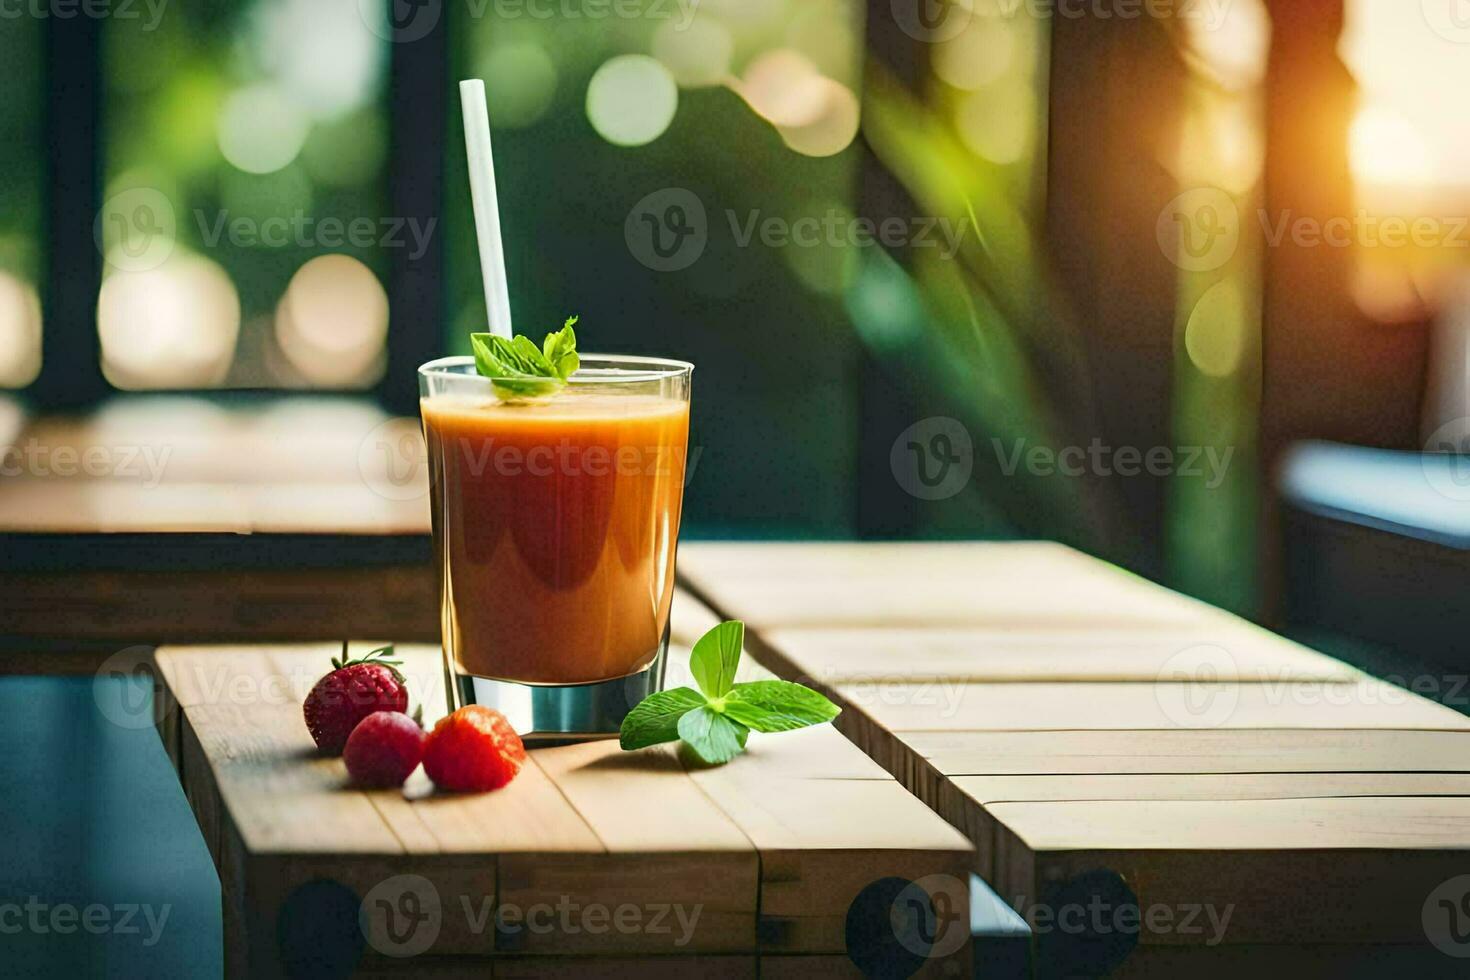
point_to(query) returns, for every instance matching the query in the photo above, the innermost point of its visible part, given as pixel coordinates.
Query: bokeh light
(1389, 149)
(697, 54)
(631, 100)
(321, 52)
(520, 83)
(783, 87)
(1215, 336)
(998, 123)
(1219, 143)
(1231, 43)
(983, 52)
(170, 327)
(332, 321)
(834, 127)
(20, 332)
(261, 129)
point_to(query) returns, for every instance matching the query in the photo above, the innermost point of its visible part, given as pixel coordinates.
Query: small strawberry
(473, 750)
(352, 691)
(383, 749)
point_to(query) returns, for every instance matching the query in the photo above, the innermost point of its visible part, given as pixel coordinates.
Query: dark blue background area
(91, 812)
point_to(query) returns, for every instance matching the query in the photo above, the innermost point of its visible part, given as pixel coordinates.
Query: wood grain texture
(1055, 711)
(993, 654)
(761, 857)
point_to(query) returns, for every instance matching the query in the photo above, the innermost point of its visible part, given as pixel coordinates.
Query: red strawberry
(383, 749)
(473, 750)
(351, 692)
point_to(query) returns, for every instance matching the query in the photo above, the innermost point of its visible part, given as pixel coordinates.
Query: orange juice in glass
(556, 520)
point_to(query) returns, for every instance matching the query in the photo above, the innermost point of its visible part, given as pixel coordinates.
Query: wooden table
(167, 519)
(784, 855)
(1100, 738)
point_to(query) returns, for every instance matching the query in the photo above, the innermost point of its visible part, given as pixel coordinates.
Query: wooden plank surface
(1083, 726)
(1011, 585)
(764, 856)
(993, 654)
(1219, 750)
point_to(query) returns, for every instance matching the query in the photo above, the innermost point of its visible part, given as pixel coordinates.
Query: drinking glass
(556, 520)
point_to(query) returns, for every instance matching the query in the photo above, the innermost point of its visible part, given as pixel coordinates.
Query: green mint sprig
(715, 720)
(517, 368)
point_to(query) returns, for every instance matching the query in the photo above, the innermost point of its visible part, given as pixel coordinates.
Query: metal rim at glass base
(554, 713)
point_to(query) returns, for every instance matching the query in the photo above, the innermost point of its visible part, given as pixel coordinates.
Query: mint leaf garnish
(716, 720)
(560, 350)
(517, 368)
(656, 718)
(715, 656)
(713, 737)
(778, 706)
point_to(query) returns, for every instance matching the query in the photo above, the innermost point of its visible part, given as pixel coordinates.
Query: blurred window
(245, 217)
(21, 202)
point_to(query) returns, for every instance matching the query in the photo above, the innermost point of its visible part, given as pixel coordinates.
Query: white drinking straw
(487, 206)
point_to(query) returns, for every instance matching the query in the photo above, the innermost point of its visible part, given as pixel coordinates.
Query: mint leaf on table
(716, 720)
(715, 656)
(517, 368)
(656, 718)
(712, 736)
(777, 706)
